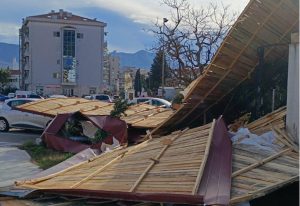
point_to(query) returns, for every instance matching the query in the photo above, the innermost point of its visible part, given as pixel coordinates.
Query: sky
(127, 20)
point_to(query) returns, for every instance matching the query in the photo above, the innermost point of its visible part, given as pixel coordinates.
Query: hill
(7, 53)
(139, 59)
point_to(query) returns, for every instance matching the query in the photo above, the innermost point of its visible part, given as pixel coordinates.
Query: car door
(37, 121)
(15, 117)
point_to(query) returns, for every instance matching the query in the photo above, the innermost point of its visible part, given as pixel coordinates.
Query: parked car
(3, 98)
(115, 98)
(27, 94)
(102, 97)
(57, 96)
(12, 118)
(152, 101)
(11, 95)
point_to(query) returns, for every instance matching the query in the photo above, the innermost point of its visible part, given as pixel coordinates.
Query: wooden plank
(154, 161)
(252, 166)
(203, 164)
(98, 170)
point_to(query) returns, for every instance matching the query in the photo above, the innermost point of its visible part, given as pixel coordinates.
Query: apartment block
(61, 53)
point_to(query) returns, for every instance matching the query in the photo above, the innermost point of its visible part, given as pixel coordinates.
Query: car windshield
(156, 102)
(15, 103)
(102, 97)
(34, 96)
(141, 100)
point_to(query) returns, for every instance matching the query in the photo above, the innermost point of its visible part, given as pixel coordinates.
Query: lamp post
(163, 60)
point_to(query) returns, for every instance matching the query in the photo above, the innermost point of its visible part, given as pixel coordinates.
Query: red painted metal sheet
(114, 126)
(129, 196)
(215, 184)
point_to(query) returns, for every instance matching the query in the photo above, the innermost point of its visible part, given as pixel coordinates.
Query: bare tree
(191, 36)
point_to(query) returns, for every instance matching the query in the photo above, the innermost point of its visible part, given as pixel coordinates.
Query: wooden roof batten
(163, 169)
(139, 116)
(258, 172)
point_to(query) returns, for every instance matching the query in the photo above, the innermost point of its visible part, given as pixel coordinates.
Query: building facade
(14, 78)
(61, 53)
(114, 73)
(111, 73)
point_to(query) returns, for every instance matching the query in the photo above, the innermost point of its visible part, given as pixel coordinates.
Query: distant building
(14, 78)
(61, 53)
(114, 72)
(111, 72)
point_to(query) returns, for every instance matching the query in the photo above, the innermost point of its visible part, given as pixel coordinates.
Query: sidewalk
(15, 164)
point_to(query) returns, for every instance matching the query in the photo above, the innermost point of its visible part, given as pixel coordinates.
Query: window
(92, 90)
(69, 60)
(69, 43)
(79, 35)
(26, 74)
(56, 34)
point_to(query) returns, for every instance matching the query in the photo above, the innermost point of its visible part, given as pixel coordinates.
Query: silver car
(12, 118)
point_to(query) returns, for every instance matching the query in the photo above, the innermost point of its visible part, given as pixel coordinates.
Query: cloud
(125, 18)
(9, 32)
(140, 11)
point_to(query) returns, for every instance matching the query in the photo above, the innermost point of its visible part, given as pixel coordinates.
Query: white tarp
(264, 143)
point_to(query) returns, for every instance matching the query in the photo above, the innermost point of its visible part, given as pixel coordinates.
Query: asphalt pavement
(18, 136)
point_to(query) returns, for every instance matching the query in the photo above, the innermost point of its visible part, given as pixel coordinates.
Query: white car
(152, 101)
(12, 118)
(101, 97)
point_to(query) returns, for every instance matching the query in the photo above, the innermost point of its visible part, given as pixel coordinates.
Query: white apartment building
(61, 53)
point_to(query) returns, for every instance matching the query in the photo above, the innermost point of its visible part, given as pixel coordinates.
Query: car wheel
(4, 127)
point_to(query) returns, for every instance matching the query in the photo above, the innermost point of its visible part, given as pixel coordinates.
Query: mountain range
(140, 59)
(7, 53)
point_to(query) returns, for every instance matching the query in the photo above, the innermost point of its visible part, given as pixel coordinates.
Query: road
(18, 136)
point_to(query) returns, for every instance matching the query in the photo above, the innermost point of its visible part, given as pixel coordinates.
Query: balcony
(26, 52)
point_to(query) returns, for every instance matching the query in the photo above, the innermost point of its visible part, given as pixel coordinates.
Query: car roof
(100, 95)
(33, 99)
(154, 98)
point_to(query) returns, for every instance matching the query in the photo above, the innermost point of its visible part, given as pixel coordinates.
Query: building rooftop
(64, 15)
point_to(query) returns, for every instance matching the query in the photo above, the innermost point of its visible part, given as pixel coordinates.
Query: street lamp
(163, 60)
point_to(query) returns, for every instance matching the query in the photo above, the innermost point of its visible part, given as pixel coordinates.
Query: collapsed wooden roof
(262, 23)
(257, 172)
(181, 168)
(174, 164)
(275, 119)
(141, 115)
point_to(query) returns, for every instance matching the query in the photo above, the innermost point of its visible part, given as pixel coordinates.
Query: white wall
(46, 50)
(292, 119)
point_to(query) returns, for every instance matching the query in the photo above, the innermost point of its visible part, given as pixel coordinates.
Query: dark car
(102, 97)
(3, 98)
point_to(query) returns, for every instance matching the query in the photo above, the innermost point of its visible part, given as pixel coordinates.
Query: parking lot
(18, 136)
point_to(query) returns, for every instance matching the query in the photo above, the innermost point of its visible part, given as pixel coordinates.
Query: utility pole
(163, 60)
